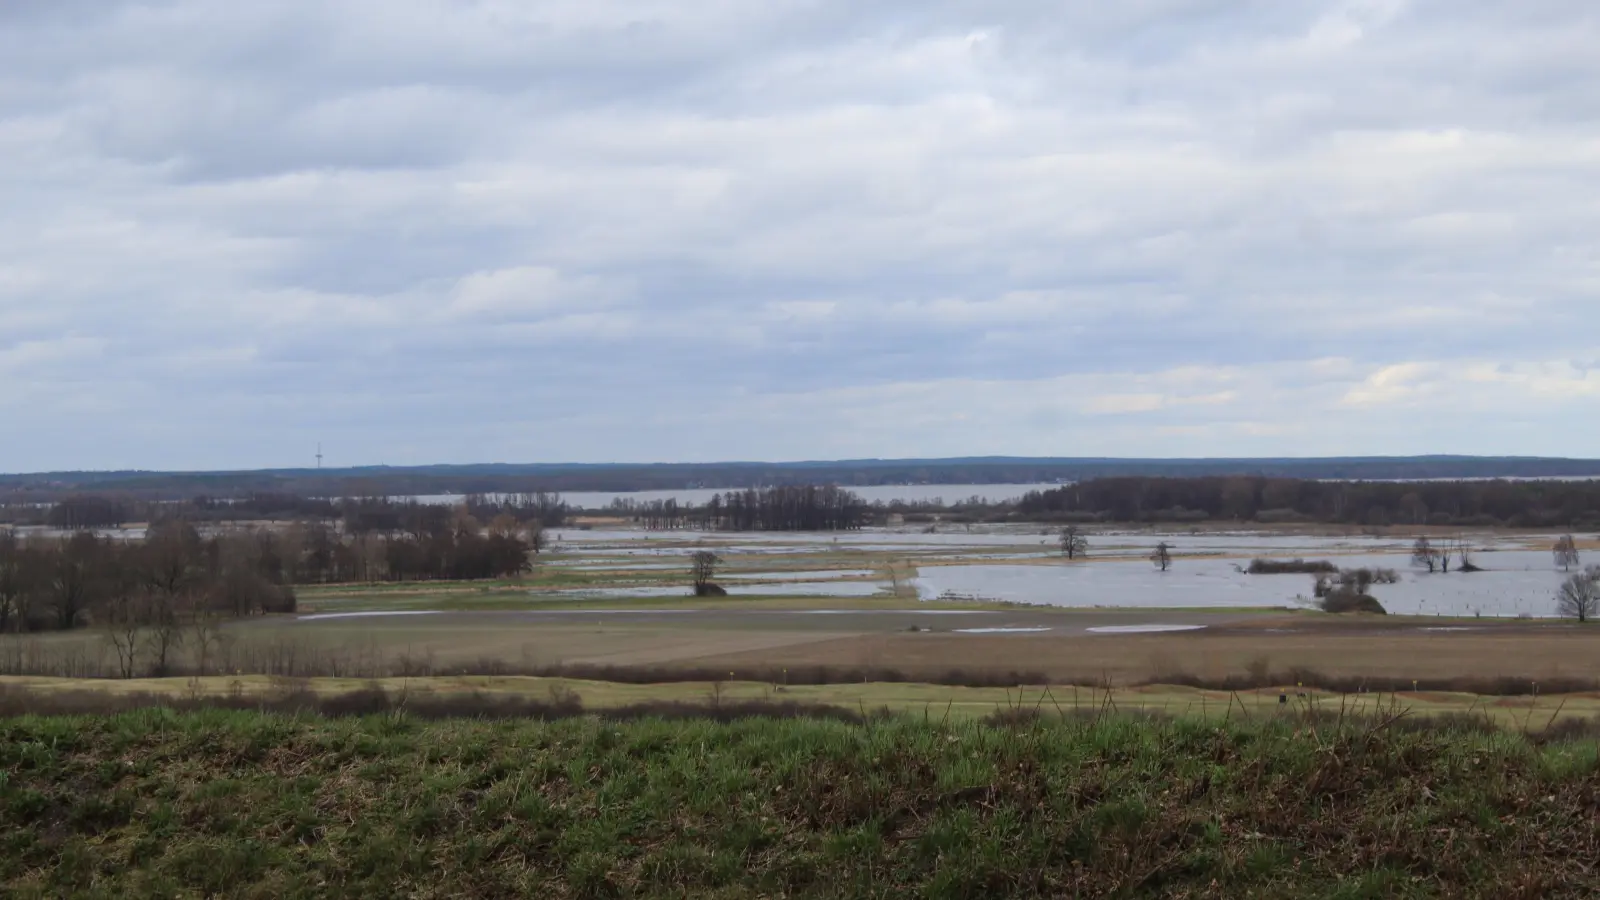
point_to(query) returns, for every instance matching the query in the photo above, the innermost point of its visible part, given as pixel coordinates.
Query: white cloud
(806, 227)
(526, 292)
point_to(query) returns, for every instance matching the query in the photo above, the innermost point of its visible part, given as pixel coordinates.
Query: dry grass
(1124, 659)
(1339, 650)
(545, 697)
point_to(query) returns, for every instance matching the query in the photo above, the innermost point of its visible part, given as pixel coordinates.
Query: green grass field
(224, 803)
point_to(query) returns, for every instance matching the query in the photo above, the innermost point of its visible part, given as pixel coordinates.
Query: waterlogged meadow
(1518, 576)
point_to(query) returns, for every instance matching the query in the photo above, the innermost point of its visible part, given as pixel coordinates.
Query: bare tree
(1413, 507)
(72, 578)
(1423, 553)
(207, 638)
(1162, 557)
(1566, 553)
(1579, 596)
(1074, 543)
(536, 537)
(165, 633)
(1462, 548)
(703, 566)
(170, 554)
(171, 560)
(13, 582)
(124, 629)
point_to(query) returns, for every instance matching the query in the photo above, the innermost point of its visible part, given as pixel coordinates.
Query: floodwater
(786, 589)
(1197, 584)
(806, 575)
(1009, 563)
(1510, 592)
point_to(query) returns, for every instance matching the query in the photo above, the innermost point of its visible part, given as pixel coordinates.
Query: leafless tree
(1566, 553)
(1423, 553)
(1074, 543)
(1579, 596)
(124, 629)
(170, 557)
(165, 633)
(14, 589)
(1462, 548)
(72, 578)
(1162, 557)
(1414, 508)
(206, 638)
(536, 537)
(703, 566)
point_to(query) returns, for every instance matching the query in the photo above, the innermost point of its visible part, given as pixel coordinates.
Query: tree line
(428, 543)
(173, 576)
(1522, 504)
(103, 511)
(799, 508)
(63, 583)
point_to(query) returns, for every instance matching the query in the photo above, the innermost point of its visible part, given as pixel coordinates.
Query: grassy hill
(218, 802)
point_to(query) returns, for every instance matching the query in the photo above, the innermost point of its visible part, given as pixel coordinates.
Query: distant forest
(1518, 504)
(808, 508)
(359, 515)
(550, 478)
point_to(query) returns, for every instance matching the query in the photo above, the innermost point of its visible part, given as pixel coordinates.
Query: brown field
(1233, 644)
(1137, 658)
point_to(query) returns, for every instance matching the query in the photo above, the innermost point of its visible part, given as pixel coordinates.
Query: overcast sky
(640, 230)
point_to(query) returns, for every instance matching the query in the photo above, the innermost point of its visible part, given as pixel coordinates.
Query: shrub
(1291, 567)
(1343, 601)
(1355, 582)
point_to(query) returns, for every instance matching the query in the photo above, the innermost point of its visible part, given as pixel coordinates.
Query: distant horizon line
(817, 463)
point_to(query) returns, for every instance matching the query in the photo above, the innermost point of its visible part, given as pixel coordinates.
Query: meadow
(159, 802)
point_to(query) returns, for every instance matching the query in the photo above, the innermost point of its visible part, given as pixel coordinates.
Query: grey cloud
(609, 229)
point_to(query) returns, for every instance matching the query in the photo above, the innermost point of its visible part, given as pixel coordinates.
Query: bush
(1354, 582)
(1346, 602)
(1291, 567)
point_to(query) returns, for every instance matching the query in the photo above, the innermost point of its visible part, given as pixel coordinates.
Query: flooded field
(778, 589)
(1519, 577)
